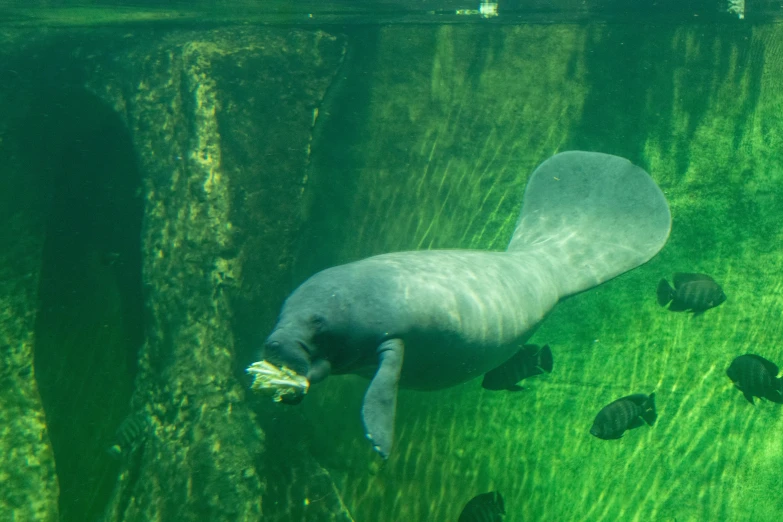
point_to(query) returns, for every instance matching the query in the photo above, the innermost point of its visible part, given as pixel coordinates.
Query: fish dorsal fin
(487, 506)
(640, 399)
(769, 365)
(682, 278)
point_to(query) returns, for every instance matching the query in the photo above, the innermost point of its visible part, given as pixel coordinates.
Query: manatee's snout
(285, 352)
(281, 349)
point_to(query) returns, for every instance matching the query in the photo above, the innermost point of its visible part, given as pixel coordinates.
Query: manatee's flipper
(593, 215)
(380, 401)
(748, 397)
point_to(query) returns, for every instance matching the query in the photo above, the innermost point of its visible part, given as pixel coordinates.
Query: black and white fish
(692, 292)
(755, 376)
(527, 362)
(624, 414)
(487, 507)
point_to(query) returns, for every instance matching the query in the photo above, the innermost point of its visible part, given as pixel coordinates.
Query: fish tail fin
(650, 415)
(545, 360)
(665, 292)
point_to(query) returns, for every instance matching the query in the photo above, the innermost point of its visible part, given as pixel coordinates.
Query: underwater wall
(124, 264)
(164, 189)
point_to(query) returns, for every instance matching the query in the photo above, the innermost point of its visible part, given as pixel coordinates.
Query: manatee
(432, 319)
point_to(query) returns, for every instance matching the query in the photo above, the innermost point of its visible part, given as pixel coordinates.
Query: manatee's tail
(593, 216)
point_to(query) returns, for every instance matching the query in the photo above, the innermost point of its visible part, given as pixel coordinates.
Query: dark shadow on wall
(269, 274)
(637, 73)
(337, 158)
(294, 238)
(89, 323)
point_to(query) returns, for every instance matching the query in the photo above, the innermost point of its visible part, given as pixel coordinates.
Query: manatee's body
(434, 319)
(456, 321)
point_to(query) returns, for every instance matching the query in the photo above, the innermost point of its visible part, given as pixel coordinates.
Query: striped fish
(624, 414)
(527, 362)
(755, 376)
(487, 507)
(692, 292)
(129, 435)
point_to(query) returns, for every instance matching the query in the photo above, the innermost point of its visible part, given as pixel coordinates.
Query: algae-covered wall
(152, 184)
(455, 120)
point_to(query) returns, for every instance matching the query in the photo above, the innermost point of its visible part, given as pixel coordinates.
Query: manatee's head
(314, 332)
(327, 325)
(295, 343)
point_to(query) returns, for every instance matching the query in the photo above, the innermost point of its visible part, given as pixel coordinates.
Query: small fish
(755, 376)
(624, 414)
(527, 362)
(129, 435)
(692, 292)
(487, 507)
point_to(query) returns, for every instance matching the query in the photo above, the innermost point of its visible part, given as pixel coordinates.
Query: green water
(443, 149)
(425, 137)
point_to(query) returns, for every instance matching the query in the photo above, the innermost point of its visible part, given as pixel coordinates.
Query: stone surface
(27, 469)
(222, 123)
(208, 135)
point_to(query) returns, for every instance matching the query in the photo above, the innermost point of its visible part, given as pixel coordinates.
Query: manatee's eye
(318, 322)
